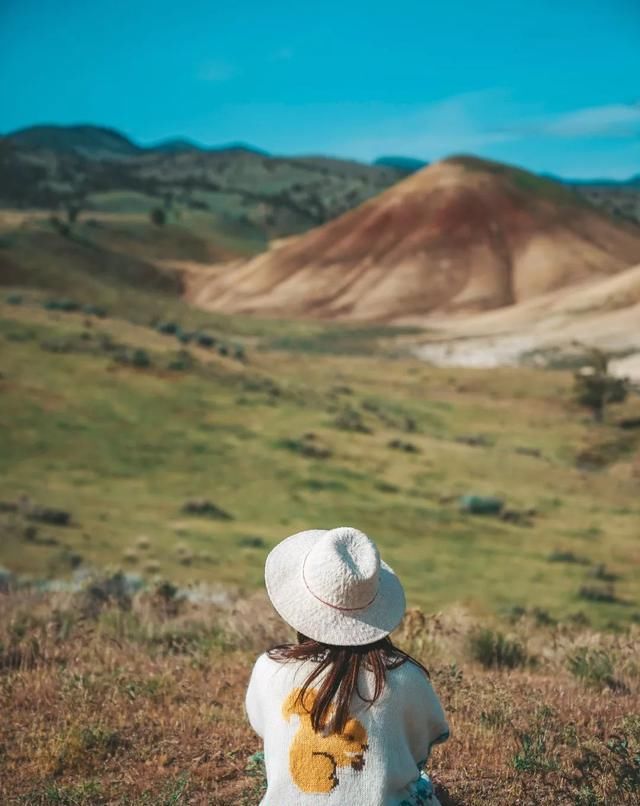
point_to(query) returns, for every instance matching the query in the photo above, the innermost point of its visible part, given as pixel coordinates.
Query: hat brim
(320, 621)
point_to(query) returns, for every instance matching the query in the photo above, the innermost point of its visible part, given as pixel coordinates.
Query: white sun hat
(331, 586)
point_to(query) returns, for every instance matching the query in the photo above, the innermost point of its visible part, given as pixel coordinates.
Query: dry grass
(108, 700)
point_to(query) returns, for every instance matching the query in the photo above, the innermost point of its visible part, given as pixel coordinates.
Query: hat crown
(342, 569)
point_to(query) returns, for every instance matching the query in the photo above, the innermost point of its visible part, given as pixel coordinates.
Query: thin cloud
(617, 120)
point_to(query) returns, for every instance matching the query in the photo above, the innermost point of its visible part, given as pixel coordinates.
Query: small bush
(598, 593)
(532, 756)
(593, 666)
(400, 445)
(14, 299)
(50, 515)
(205, 340)
(184, 336)
(494, 651)
(95, 310)
(137, 358)
(567, 557)
(351, 420)
(169, 328)
(251, 542)
(307, 445)
(205, 509)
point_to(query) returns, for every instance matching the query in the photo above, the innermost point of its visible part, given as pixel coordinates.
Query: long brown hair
(343, 665)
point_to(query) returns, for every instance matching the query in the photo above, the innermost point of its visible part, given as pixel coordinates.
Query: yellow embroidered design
(314, 758)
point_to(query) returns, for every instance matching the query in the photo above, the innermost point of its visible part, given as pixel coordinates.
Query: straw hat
(332, 586)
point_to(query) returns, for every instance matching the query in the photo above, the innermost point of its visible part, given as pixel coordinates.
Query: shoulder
(267, 671)
(409, 674)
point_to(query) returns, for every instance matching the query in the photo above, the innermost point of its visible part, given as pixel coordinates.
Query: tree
(158, 216)
(595, 387)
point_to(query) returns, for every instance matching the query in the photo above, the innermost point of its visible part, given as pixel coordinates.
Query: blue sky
(553, 85)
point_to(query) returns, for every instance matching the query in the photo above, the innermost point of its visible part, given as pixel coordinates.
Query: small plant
(567, 557)
(493, 650)
(350, 419)
(14, 299)
(169, 328)
(251, 542)
(400, 445)
(532, 756)
(204, 508)
(95, 310)
(598, 593)
(182, 361)
(307, 445)
(592, 666)
(205, 340)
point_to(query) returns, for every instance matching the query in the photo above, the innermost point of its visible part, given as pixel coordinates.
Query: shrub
(14, 299)
(532, 756)
(598, 593)
(205, 340)
(350, 419)
(407, 447)
(593, 666)
(307, 445)
(481, 505)
(181, 362)
(50, 515)
(495, 651)
(95, 310)
(183, 336)
(567, 557)
(251, 542)
(170, 328)
(140, 358)
(205, 509)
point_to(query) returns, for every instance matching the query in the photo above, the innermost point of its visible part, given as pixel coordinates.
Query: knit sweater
(375, 761)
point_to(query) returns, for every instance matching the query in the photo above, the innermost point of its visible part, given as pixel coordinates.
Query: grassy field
(285, 426)
(138, 701)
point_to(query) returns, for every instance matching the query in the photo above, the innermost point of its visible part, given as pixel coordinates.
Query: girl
(347, 719)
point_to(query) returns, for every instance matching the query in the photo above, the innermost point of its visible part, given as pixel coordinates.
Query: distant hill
(463, 234)
(89, 141)
(176, 144)
(94, 169)
(406, 164)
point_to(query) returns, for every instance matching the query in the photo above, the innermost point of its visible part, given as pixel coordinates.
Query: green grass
(123, 447)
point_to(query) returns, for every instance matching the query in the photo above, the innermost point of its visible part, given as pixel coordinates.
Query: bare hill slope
(462, 235)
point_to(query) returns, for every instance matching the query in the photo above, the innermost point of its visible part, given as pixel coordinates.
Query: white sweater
(373, 762)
